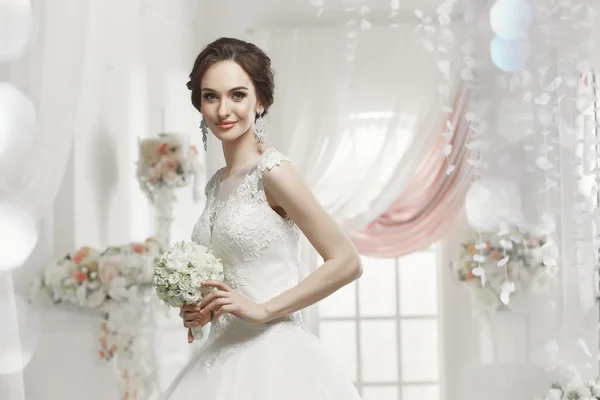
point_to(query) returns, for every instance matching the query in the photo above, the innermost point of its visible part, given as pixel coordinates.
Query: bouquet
(166, 162)
(180, 271)
(498, 265)
(589, 390)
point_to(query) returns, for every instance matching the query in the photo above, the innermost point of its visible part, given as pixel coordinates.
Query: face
(229, 100)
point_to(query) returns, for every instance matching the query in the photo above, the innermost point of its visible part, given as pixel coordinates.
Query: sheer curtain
(355, 128)
(430, 204)
(48, 74)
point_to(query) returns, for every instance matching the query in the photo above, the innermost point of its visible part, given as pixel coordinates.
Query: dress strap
(269, 160)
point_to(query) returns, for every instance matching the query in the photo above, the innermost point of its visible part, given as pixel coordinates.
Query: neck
(240, 152)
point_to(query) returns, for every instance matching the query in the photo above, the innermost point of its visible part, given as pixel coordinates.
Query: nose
(223, 110)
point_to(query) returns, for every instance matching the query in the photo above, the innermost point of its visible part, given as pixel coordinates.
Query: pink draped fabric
(431, 202)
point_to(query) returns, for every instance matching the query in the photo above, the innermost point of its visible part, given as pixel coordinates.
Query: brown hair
(247, 55)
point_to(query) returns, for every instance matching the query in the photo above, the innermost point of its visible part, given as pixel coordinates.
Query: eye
(239, 95)
(210, 96)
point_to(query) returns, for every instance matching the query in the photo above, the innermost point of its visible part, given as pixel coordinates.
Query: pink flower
(79, 276)
(163, 148)
(139, 248)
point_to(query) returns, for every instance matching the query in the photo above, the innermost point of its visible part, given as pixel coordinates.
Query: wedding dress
(260, 251)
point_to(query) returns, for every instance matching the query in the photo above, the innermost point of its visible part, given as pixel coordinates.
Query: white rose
(554, 394)
(191, 296)
(176, 302)
(174, 278)
(174, 293)
(596, 389)
(185, 283)
(195, 279)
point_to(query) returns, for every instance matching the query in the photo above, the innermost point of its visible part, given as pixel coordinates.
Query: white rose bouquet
(180, 271)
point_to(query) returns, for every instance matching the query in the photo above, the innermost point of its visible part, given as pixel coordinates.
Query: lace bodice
(259, 249)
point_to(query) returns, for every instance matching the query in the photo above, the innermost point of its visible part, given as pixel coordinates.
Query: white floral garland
(114, 284)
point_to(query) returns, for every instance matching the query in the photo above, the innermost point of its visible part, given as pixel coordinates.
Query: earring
(260, 125)
(204, 130)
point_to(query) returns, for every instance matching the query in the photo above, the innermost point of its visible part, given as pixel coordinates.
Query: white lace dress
(261, 254)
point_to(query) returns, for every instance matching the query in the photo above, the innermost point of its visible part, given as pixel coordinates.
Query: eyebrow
(231, 90)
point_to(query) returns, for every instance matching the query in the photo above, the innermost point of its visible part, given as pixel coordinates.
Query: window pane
(425, 392)
(340, 304)
(380, 393)
(418, 284)
(420, 350)
(339, 340)
(377, 288)
(379, 351)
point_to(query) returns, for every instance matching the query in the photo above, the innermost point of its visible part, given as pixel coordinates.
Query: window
(383, 330)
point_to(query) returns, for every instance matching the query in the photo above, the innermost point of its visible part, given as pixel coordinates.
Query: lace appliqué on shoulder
(271, 158)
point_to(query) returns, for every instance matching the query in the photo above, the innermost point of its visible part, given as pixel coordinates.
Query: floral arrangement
(166, 162)
(180, 271)
(588, 390)
(114, 284)
(498, 265)
(92, 279)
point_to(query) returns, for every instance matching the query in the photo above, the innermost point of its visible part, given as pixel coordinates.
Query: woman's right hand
(192, 318)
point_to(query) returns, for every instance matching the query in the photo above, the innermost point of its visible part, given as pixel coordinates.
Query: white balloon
(19, 333)
(18, 236)
(510, 55)
(492, 201)
(17, 122)
(16, 21)
(510, 19)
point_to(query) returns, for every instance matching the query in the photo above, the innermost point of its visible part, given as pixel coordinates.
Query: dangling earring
(204, 130)
(260, 125)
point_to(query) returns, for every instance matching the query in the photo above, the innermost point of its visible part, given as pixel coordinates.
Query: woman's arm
(285, 188)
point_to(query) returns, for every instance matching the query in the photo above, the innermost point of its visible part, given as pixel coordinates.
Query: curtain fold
(430, 203)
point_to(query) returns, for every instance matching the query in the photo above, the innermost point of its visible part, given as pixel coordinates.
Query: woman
(257, 208)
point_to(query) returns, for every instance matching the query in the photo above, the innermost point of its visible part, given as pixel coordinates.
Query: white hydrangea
(178, 274)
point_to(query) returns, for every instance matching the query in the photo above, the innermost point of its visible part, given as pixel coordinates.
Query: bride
(257, 208)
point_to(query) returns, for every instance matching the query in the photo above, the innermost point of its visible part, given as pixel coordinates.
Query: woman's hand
(192, 318)
(226, 300)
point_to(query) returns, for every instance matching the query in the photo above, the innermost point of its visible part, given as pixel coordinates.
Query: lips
(226, 125)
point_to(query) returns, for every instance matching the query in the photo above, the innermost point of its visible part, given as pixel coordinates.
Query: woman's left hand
(227, 300)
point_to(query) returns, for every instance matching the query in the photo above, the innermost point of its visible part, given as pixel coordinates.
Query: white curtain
(355, 115)
(50, 74)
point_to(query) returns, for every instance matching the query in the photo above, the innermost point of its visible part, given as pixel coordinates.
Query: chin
(228, 135)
